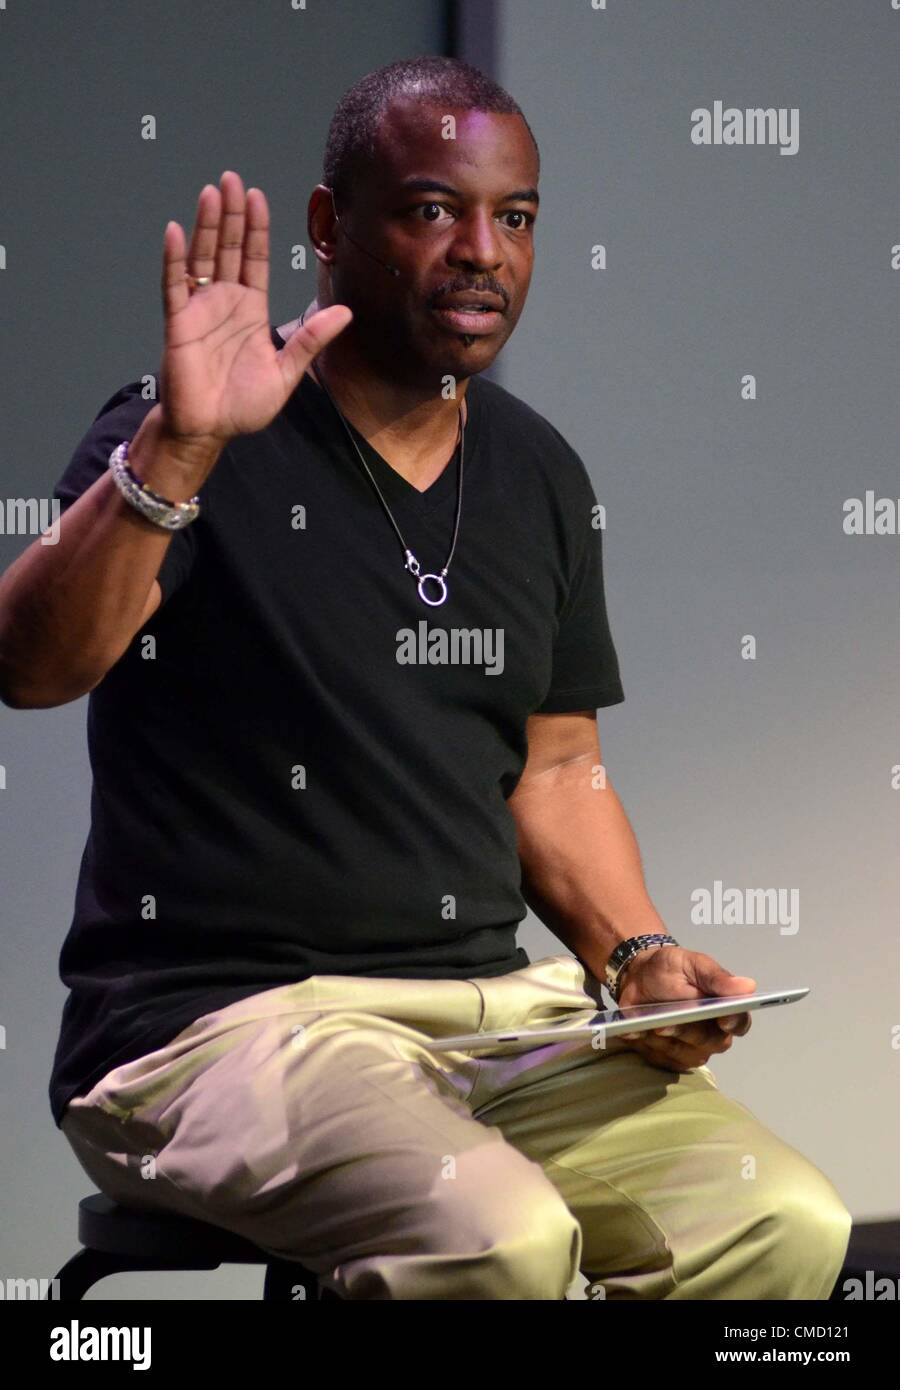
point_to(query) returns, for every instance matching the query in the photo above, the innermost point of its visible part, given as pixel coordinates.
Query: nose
(475, 243)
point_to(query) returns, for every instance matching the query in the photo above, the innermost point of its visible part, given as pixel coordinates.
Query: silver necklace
(411, 563)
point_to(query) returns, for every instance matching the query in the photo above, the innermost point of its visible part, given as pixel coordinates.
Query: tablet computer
(611, 1023)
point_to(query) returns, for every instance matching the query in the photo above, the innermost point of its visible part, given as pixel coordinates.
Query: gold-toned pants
(314, 1119)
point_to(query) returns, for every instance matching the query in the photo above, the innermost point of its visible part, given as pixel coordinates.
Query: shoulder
(118, 418)
(513, 423)
(499, 401)
(129, 399)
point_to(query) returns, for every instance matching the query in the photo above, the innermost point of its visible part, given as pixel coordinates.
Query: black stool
(874, 1250)
(117, 1238)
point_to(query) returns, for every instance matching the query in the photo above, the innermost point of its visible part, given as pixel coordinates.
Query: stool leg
(84, 1270)
(283, 1277)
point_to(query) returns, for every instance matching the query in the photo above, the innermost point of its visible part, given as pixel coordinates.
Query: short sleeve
(120, 418)
(585, 663)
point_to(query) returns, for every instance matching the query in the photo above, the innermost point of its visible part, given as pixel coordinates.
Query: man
(342, 728)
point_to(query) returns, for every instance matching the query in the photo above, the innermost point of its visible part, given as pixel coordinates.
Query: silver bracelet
(626, 951)
(160, 510)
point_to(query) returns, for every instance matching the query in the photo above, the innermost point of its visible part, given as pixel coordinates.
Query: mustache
(468, 286)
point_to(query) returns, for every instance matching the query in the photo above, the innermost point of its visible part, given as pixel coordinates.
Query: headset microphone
(468, 338)
(391, 268)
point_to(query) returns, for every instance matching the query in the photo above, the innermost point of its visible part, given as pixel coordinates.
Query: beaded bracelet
(160, 510)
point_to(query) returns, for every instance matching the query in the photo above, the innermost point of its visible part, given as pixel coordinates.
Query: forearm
(581, 865)
(69, 610)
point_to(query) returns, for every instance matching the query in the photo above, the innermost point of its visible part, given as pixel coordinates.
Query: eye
(517, 212)
(431, 214)
(429, 207)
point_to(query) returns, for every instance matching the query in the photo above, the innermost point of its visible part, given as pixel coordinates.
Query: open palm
(221, 375)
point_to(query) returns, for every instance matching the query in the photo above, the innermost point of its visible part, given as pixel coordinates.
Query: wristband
(171, 516)
(625, 952)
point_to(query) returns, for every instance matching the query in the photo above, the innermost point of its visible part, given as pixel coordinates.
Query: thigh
(346, 1145)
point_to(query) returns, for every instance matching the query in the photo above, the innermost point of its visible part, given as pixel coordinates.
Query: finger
(230, 244)
(255, 260)
(666, 1052)
(201, 258)
(736, 1024)
(694, 1034)
(309, 338)
(699, 1033)
(687, 1054)
(175, 293)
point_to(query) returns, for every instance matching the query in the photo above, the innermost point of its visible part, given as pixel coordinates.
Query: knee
(808, 1231)
(819, 1229)
(521, 1239)
(478, 1240)
(539, 1256)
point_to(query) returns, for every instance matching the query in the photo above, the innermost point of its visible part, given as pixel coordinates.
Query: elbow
(22, 694)
(42, 699)
(38, 675)
(12, 700)
(9, 692)
(29, 683)
(17, 696)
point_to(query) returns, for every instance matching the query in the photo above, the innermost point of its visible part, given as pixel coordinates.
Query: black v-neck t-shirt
(299, 767)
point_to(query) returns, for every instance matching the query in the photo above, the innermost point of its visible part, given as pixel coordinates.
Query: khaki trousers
(314, 1119)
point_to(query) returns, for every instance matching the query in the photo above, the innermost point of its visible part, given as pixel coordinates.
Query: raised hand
(221, 375)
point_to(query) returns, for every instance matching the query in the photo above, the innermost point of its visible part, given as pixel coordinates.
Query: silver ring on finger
(197, 282)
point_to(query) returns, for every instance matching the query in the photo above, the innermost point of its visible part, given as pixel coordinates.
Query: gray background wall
(724, 516)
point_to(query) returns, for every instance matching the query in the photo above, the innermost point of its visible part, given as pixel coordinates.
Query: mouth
(474, 321)
(472, 313)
